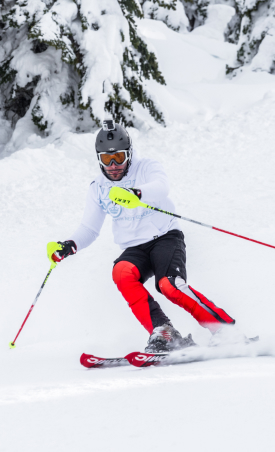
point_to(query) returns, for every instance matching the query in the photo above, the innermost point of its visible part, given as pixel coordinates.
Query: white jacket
(131, 227)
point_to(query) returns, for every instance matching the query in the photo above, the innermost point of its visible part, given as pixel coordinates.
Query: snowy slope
(218, 150)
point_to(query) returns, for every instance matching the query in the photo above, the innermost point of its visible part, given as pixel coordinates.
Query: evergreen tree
(71, 61)
(256, 38)
(232, 34)
(196, 11)
(171, 12)
(180, 15)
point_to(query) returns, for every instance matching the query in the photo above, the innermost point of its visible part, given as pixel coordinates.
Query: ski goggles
(119, 157)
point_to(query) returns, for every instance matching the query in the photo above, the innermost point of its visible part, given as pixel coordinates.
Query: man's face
(115, 171)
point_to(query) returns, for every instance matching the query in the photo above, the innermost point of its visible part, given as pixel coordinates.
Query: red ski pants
(126, 276)
(203, 310)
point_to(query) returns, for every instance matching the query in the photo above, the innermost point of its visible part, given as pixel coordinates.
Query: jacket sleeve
(156, 186)
(91, 223)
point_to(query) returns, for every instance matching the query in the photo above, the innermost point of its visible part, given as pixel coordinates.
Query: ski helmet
(111, 139)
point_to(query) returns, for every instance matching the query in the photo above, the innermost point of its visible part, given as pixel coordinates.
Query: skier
(153, 243)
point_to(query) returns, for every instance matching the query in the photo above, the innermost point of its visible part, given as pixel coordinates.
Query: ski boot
(166, 338)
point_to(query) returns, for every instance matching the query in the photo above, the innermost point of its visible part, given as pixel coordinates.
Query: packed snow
(218, 150)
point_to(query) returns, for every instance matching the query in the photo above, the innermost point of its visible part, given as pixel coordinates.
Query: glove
(126, 197)
(69, 247)
(134, 191)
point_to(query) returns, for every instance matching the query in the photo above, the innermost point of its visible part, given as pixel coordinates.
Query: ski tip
(95, 362)
(139, 359)
(131, 357)
(12, 345)
(91, 361)
(87, 360)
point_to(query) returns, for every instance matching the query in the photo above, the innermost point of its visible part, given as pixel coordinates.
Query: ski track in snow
(196, 369)
(43, 394)
(218, 150)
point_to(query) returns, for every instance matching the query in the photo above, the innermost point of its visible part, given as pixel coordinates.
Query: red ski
(94, 361)
(139, 359)
(186, 355)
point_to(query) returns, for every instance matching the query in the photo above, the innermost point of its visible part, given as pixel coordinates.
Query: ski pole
(130, 201)
(51, 248)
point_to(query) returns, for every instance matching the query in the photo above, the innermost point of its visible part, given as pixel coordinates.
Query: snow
(218, 16)
(174, 18)
(255, 47)
(35, 8)
(218, 149)
(104, 53)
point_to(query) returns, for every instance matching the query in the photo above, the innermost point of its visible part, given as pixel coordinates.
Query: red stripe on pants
(205, 318)
(126, 277)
